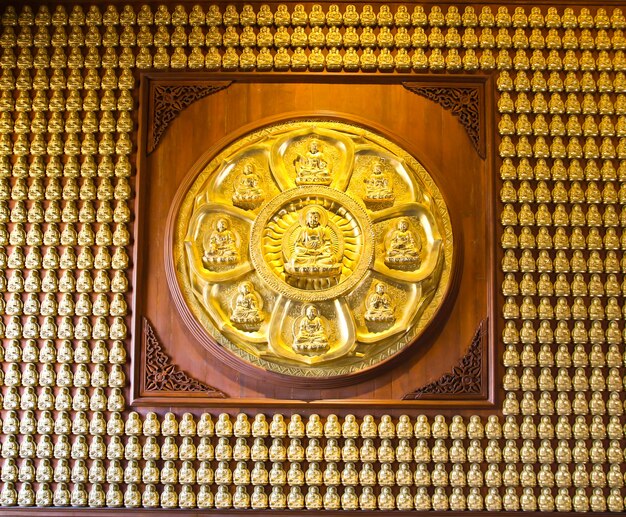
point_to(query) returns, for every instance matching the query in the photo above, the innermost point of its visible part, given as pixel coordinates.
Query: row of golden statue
(574, 81)
(259, 426)
(561, 103)
(542, 285)
(557, 148)
(588, 215)
(331, 474)
(62, 423)
(42, 398)
(63, 398)
(530, 237)
(316, 36)
(282, 59)
(171, 498)
(563, 404)
(414, 465)
(563, 336)
(546, 355)
(562, 310)
(280, 37)
(64, 351)
(316, 16)
(402, 465)
(556, 126)
(525, 170)
(580, 381)
(577, 263)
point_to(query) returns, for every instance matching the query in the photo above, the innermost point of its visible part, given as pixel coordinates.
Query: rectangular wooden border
(490, 396)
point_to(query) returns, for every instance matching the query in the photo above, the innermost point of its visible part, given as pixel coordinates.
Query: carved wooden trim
(463, 102)
(168, 100)
(162, 375)
(466, 378)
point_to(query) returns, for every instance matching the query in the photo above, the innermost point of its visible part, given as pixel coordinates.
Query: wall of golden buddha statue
(72, 434)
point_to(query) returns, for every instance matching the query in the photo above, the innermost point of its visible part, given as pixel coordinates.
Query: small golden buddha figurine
(221, 246)
(404, 476)
(277, 476)
(241, 451)
(331, 499)
(295, 499)
(295, 476)
(386, 453)
(402, 247)
(247, 308)
(349, 451)
(332, 452)
(258, 500)
(310, 332)
(349, 475)
(313, 451)
(295, 451)
(312, 167)
(248, 193)
(367, 452)
(277, 428)
(313, 475)
(223, 498)
(378, 187)
(259, 474)
(260, 427)
(378, 304)
(313, 499)
(223, 426)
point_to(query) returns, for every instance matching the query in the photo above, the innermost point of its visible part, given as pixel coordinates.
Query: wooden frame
(196, 85)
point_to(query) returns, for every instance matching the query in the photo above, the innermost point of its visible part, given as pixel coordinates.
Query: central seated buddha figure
(313, 254)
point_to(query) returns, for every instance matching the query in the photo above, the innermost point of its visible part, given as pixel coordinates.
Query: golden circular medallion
(311, 249)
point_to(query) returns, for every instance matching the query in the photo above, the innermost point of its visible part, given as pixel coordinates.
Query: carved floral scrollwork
(162, 375)
(465, 377)
(464, 103)
(169, 100)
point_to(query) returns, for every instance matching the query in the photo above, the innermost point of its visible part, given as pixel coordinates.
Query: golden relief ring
(274, 233)
(310, 249)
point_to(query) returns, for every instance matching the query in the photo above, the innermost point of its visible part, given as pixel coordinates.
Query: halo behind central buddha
(312, 243)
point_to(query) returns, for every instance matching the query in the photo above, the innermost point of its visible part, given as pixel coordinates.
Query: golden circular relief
(312, 249)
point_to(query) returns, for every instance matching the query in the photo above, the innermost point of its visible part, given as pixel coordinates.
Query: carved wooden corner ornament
(161, 375)
(463, 102)
(168, 100)
(465, 378)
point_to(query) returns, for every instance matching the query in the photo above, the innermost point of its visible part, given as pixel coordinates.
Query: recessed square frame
(170, 103)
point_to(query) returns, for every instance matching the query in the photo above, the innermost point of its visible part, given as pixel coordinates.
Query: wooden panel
(423, 127)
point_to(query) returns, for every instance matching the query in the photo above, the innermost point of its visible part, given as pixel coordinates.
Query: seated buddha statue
(248, 193)
(378, 188)
(378, 305)
(309, 331)
(247, 313)
(402, 247)
(220, 247)
(312, 168)
(312, 254)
